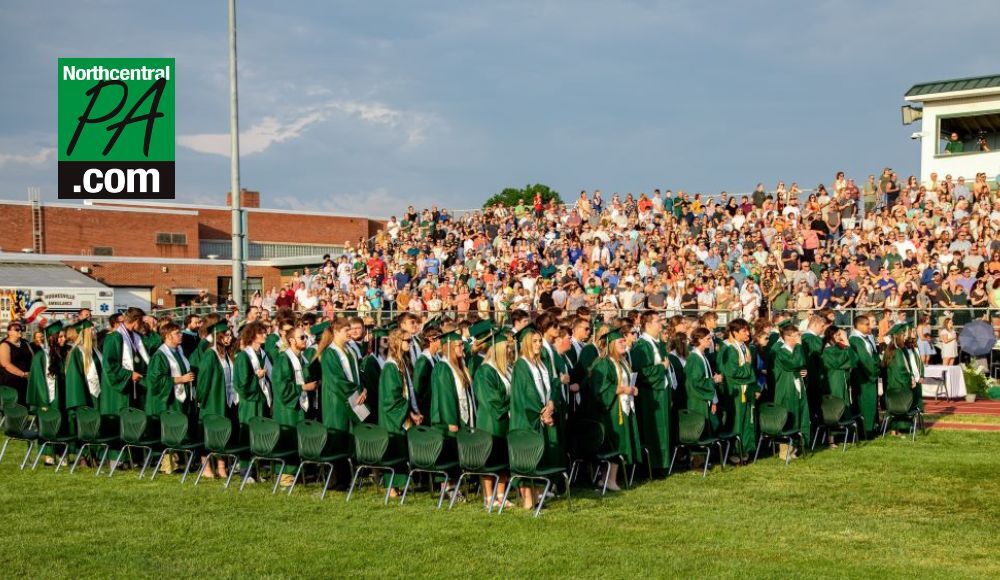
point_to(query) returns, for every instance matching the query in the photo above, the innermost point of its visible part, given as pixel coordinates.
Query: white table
(954, 380)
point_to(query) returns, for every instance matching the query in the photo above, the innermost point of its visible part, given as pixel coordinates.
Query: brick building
(162, 254)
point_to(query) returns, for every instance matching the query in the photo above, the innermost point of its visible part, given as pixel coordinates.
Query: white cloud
(377, 203)
(39, 158)
(272, 130)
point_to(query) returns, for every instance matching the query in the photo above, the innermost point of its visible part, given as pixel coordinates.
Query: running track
(961, 407)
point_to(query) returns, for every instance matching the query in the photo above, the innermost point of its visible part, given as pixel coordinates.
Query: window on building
(976, 133)
(171, 239)
(225, 287)
(103, 251)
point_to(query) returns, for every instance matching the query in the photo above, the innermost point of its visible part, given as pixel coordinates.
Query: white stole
(299, 378)
(232, 397)
(626, 401)
(540, 376)
(265, 381)
(466, 402)
(180, 393)
(50, 379)
(345, 362)
(93, 377)
(798, 378)
(129, 348)
(504, 378)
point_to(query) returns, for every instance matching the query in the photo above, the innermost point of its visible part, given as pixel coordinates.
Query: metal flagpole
(234, 164)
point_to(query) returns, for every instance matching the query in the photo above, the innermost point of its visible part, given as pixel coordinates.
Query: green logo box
(116, 128)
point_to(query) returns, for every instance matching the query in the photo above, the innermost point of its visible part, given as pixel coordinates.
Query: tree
(511, 196)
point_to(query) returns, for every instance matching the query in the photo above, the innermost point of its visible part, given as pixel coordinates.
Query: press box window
(979, 133)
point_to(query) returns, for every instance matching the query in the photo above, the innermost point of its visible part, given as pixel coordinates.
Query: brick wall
(176, 276)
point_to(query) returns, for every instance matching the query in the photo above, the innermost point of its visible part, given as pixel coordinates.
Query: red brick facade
(132, 232)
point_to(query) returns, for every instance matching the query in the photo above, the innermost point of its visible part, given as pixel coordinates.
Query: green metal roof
(950, 86)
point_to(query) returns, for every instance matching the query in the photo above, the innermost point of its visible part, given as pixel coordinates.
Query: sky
(367, 107)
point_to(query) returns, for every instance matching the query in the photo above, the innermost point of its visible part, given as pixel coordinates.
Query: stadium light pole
(234, 164)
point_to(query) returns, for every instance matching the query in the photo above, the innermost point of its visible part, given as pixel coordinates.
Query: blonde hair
(500, 355)
(398, 351)
(457, 363)
(527, 350)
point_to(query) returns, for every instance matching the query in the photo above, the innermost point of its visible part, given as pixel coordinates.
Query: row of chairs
(371, 453)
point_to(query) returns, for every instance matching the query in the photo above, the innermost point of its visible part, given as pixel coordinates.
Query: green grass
(891, 508)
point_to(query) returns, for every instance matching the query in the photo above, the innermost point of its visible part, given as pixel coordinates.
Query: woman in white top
(948, 341)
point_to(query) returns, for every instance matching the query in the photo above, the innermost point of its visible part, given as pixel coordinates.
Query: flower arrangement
(977, 382)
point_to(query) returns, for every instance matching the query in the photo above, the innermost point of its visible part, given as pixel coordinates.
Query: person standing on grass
(789, 383)
(614, 391)
(47, 378)
(291, 383)
(215, 391)
(397, 401)
(903, 368)
(736, 364)
(252, 379)
(341, 379)
(169, 384)
(491, 385)
(653, 367)
(701, 381)
(124, 365)
(838, 361)
(371, 370)
(83, 372)
(865, 375)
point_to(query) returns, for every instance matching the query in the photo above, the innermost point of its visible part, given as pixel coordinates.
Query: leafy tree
(511, 196)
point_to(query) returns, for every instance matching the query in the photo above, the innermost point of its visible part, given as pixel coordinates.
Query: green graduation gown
(815, 381)
(287, 411)
(160, 395)
(77, 389)
(654, 401)
(271, 346)
(493, 401)
(394, 409)
(901, 373)
(741, 384)
(117, 390)
(701, 389)
(527, 398)
(864, 380)
(253, 401)
(838, 363)
(790, 387)
(422, 381)
(337, 386)
(445, 401)
(212, 391)
(621, 425)
(371, 371)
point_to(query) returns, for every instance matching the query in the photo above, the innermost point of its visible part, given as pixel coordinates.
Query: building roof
(35, 275)
(954, 86)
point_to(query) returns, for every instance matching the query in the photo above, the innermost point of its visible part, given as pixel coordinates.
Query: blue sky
(365, 107)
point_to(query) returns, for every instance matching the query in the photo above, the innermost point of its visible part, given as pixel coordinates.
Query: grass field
(891, 508)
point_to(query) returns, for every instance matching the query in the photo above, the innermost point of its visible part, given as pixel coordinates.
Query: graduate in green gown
(371, 370)
(491, 386)
(865, 375)
(47, 378)
(424, 365)
(397, 402)
(453, 404)
(290, 381)
(789, 382)
(341, 379)
(655, 390)
(124, 362)
(612, 382)
(83, 373)
(736, 364)
(169, 381)
(150, 332)
(479, 332)
(838, 361)
(903, 368)
(215, 392)
(701, 381)
(252, 379)
(531, 403)
(206, 341)
(812, 350)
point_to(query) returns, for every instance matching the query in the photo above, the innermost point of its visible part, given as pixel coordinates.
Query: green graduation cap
(785, 323)
(433, 323)
(318, 329)
(481, 329)
(500, 336)
(530, 327)
(613, 336)
(82, 325)
(900, 328)
(53, 328)
(219, 327)
(393, 324)
(451, 337)
(379, 332)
